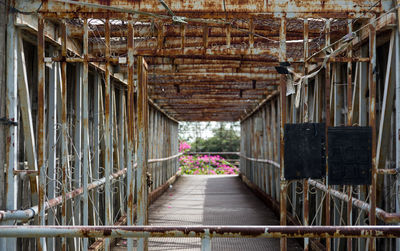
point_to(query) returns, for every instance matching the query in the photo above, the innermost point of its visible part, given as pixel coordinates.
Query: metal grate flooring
(211, 200)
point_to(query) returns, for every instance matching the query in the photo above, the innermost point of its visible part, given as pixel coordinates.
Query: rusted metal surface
(219, 69)
(169, 53)
(283, 182)
(205, 7)
(142, 149)
(380, 214)
(372, 124)
(305, 119)
(85, 118)
(41, 128)
(108, 133)
(164, 159)
(130, 132)
(273, 163)
(33, 211)
(200, 231)
(387, 171)
(64, 122)
(225, 36)
(349, 93)
(11, 136)
(26, 115)
(327, 124)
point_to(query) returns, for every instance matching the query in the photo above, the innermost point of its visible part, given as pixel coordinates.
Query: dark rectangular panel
(304, 151)
(349, 155)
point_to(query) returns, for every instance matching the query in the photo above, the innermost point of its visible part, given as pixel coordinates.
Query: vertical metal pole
(41, 128)
(159, 148)
(157, 152)
(114, 146)
(142, 149)
(283, 182)
(121, 147)
(362, 121)
(107, 135)
(64, 121)
(12, 115)
(242, 137)
(96, 140)
(3, 131)
(206, 242)
(85, 117)
(349, 118)
(372, 114)
(131, 131)
(77, 150)
(52, 145)
(336, 109)
(397, 72)
(162, 148)
(270, 146)
(151, 141)
(327, 124)
(305, 120)
(274, 149)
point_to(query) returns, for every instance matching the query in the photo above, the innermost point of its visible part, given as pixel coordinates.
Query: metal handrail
(201, 231)
(33, 211)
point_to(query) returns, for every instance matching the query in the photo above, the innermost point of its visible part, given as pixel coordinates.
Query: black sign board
(349, 155)
(304, 151)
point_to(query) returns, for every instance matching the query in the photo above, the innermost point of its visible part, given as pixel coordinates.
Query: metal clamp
(6, 121)
(179, 19)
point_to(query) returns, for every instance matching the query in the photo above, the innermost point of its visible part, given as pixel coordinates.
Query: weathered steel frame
(269, 106)
(56, 105)
(354, 107)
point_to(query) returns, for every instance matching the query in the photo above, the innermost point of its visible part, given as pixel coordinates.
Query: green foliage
(224, 140)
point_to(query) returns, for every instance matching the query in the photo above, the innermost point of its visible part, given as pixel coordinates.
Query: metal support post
(327, 124)
(206, 241)
(107, 135)
(283, 182)
(372, 114)
(52, 143)
(12, 130)
(131, 132)
(397, 105)
(142, 149)
(85, 118)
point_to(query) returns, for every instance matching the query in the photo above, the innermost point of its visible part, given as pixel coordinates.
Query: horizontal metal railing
(33, 211)
(362, 205)
(201, 231)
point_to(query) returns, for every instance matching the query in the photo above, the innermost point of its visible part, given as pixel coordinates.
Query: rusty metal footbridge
(92, 93)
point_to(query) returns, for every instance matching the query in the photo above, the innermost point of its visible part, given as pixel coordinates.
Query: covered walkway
(211, 200)
(92, 93)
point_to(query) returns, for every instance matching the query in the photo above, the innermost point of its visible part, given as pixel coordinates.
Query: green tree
(223, 140)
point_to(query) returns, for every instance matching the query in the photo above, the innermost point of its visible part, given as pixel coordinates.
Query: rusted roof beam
(211, 8)
(215, 76)
(262, 27)
(205, 106)
(211, 102)
(215, 51)
(212, 91)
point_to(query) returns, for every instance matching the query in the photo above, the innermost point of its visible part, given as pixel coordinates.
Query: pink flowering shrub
(184, 147)
(204, 164)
